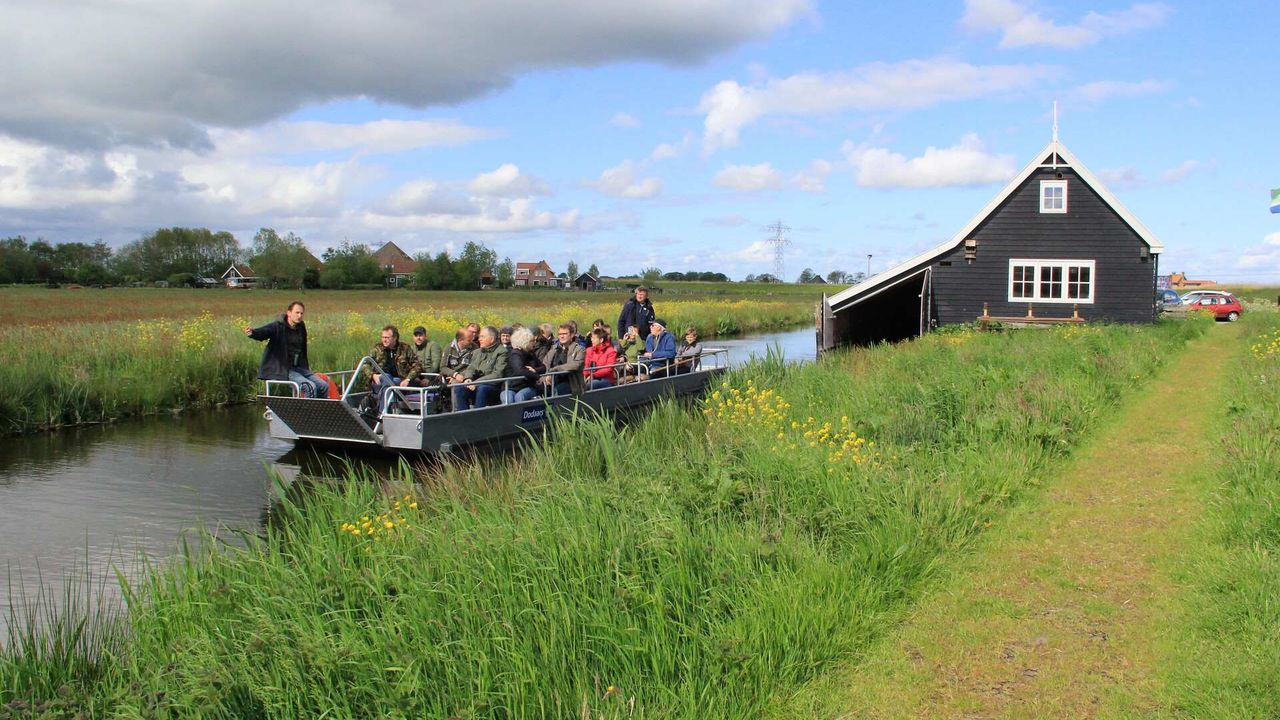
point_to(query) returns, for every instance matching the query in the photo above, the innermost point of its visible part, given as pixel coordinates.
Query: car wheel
(1233, 316)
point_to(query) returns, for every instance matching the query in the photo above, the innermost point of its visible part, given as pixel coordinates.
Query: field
(90, 355)
(696, 564)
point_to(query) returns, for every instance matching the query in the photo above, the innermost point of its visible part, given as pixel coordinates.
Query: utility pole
(778, 241)
(868, 264)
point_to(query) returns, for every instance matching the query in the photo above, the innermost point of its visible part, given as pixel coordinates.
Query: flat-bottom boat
(411, 423)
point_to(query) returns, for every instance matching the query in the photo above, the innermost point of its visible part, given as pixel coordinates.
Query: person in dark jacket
(637, 313)
(565, 358)
(524, 364)
(488, 362)
(285, 356)
(689, 355)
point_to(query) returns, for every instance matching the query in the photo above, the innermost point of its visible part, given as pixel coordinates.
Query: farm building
(396, 263)
(239, 275)
(535, 274)
(1053, 244)
(587, 281)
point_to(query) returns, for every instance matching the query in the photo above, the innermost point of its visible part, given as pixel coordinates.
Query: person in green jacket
(429, 352)
(488, 362)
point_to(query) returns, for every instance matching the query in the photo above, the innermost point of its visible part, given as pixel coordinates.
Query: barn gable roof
(1054, 154)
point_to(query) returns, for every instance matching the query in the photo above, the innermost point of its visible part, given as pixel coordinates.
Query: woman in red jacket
(601, 357)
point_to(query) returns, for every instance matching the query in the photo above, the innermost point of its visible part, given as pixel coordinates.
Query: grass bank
(83, 356)
(1225, 649)
(695, 564)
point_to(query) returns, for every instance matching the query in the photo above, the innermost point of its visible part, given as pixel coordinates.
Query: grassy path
(1063, 610)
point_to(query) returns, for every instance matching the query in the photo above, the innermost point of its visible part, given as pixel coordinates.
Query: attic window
(1053, 196)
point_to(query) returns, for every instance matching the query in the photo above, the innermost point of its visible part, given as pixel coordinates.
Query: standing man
(397, 361)
(285, 357)
(637, 313)
(429, 352)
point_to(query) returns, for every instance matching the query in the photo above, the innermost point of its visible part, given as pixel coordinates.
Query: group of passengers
(485, 366)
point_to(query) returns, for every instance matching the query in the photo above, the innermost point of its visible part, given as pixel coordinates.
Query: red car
(1223, 305)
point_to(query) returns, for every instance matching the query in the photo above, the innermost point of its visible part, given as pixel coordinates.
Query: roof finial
(1055, 121)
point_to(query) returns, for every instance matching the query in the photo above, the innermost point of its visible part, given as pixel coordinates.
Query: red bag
(333, 387)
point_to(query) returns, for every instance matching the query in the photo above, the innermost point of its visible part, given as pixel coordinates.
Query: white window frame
(1065, 266)
(1046, 184)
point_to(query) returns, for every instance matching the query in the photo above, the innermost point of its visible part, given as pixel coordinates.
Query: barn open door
(926, 301)
(826, 335)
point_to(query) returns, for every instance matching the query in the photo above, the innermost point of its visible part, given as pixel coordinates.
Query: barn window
(1052, 281)
(1053, 196)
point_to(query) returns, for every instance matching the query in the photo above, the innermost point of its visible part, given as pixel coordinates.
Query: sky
(668, 133)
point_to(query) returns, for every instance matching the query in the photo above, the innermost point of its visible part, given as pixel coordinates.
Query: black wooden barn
(1053, 243)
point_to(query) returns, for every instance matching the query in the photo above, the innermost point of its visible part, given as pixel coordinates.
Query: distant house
(537, 274)
(396, 263)
(1180, 280)
(1054, 245)
(486, 280)
(239, 275)
(587, 281)
(816, 280)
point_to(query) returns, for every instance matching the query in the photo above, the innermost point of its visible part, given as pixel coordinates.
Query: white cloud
(621, 181)
(911, 84)
(511, 216)
(34, 177)
(1131, 177)
(1096, 92)
(507, 181)
(624, 120)
(1020, 26)
(146, 73)
(379, 136)
(253, 188)
(726, 221)
(966, 163)
(1265, 255)
(748, 178)
(757, 252)
(1179, 173)
(813, 179)
(666, 151)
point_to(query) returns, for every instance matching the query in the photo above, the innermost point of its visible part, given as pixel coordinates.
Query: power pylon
(779, 241)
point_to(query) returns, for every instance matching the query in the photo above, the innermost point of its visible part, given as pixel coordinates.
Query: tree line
(190, 256)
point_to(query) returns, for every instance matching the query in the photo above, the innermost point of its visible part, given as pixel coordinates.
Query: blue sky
(667, 135)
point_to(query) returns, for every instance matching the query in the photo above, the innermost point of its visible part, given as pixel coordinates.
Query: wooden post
(1029, 314)
(1075, 312)
(987, 313)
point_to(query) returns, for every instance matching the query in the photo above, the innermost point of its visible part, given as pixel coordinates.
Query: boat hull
(338, 422)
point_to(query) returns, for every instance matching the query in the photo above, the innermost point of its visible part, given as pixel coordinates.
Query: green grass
(692, 565)
(191, 350)
(1228, 642)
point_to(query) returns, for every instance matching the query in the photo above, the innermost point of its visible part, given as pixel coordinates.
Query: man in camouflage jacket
(398, 362)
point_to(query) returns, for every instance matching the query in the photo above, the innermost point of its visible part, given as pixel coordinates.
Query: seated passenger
(429, 352)
(397, 365)
(659, 348)
(689, 356)
(504, 336)
(458, 356)
(629, 348)
(566, 358)
(523, 365)
(488, 362)
(601, 358)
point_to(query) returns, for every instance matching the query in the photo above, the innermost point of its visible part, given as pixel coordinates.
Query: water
(93, 498)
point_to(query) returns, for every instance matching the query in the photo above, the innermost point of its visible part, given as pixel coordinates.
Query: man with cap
(659, 348)
(429, 351)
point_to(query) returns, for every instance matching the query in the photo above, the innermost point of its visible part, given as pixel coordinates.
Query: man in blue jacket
(636, 313)
(285, 357)
(659, 348)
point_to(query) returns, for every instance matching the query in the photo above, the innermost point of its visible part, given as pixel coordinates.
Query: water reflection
(97, 497)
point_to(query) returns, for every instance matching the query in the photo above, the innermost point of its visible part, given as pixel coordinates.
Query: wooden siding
(1124, 282)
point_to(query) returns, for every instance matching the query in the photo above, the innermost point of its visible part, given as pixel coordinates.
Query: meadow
(690, 565)
(92, 355)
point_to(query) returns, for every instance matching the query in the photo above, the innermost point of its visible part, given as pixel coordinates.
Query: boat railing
(335, 377)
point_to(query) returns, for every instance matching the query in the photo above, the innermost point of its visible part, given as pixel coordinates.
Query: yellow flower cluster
(1267, 346)
(148, 332)
(356, 326)
(198, 333)
(382, 525)
(765, 413)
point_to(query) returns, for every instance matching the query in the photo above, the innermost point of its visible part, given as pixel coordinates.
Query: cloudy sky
(667, 132)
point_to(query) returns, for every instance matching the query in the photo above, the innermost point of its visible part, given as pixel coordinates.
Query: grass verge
(691, 565)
